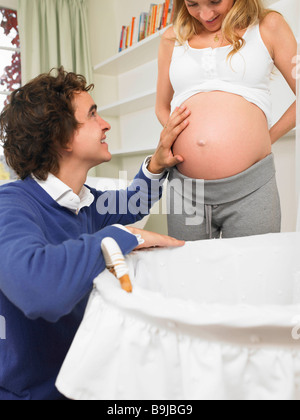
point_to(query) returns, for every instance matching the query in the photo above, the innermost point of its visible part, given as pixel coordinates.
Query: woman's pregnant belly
(226, 135)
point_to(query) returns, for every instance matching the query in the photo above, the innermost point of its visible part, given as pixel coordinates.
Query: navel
(201, 143)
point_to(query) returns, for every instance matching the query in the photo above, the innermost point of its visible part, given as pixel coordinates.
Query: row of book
(158, 17)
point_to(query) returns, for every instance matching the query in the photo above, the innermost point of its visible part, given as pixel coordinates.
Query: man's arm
(42, 279)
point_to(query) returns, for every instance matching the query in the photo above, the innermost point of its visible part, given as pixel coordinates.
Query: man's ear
(69, 146)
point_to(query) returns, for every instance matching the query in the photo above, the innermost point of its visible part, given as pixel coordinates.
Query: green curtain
(54, 33)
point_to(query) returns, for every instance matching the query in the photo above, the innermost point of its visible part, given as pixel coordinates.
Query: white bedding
(213, 320)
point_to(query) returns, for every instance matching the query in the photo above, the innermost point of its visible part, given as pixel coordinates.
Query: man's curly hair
(39, 122)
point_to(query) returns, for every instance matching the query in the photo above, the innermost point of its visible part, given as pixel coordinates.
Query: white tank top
(247, 74)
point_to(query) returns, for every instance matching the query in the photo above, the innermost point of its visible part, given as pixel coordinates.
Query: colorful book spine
(135, 35)
(153, 22)
(127, 37)
(171, 12)
(159, 16)
(166, 11)
(142, 26)
(132, 31)
(121, 46)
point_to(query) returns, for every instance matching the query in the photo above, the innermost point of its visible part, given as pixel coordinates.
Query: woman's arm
(165, 90)
(284, 49)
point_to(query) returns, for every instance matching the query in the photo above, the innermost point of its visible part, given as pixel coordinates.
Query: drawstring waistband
(208, 217)
(222, 191)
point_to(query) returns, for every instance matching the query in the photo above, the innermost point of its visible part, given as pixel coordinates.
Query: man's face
(88, 144)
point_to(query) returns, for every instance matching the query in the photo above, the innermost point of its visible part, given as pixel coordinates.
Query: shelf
(126, 106)
(133, 152)
(135, 56)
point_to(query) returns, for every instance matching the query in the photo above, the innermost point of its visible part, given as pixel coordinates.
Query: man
(50, 229)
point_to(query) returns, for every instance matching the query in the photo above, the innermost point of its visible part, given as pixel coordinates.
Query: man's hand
(155, 240)
(163, 157)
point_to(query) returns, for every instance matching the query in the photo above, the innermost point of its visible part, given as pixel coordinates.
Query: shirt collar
(64, 195)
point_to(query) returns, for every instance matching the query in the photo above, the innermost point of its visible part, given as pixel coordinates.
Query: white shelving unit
(133, 152)
(135, 56)
(129, 105)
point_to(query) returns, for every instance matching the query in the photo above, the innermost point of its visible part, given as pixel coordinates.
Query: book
(159, 16)
(142, 26)
(132, 31)
(158, 23)
(135, 32)
(171, 12)
(166, 11)
(122, 39)
(127, 37)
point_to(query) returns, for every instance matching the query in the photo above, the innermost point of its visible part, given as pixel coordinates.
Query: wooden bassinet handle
(115, 263)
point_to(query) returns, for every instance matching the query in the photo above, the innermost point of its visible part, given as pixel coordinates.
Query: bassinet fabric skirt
(212, 320)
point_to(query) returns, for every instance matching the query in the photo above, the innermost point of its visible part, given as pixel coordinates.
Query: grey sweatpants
(243, 205)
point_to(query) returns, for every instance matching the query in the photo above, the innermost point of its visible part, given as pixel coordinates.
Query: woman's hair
(243, 14)
(39, 122)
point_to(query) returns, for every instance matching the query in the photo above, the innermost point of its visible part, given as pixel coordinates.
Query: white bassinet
(216, 319)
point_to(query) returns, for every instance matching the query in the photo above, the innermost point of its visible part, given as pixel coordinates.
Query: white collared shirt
(64, 195)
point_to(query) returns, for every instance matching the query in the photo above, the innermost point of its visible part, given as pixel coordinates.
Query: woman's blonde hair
(243, 14)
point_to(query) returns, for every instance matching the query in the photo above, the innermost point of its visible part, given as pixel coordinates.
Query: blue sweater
(49, 259)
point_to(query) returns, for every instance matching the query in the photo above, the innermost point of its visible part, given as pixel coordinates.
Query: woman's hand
(155, 240)
(163, 157)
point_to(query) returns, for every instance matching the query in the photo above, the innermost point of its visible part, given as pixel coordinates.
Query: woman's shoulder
(272, 22)
(167, 43)
(169, 35)
(276, 32)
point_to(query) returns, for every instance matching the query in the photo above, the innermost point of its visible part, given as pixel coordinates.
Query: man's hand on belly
(163, 157)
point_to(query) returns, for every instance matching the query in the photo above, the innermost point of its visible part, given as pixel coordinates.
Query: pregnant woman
(217, 59)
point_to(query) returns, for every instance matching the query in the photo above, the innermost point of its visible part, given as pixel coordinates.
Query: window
(10, 65)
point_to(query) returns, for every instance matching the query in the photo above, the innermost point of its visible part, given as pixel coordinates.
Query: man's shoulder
(10, 187)
(17, 193)
(14, 186)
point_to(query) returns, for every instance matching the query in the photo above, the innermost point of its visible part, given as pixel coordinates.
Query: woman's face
(210, 13)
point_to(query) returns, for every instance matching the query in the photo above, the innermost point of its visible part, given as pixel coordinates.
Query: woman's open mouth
(211, 22)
